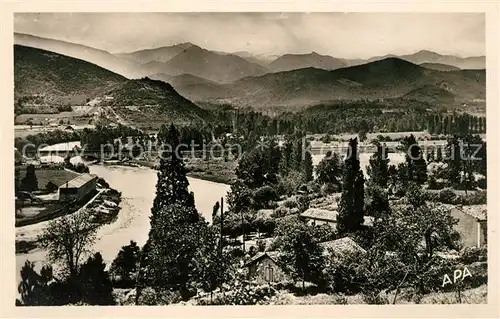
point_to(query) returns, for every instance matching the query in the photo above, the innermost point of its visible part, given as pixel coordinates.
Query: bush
(51, 187)
(102, 182)
(481, 183)
(327, 189)
(244, 294)
(473, 254)
(447, 196)
(280, 212)
(473, 198)
(289, 184)
(263, 196)
(373, 297)
(290, 203)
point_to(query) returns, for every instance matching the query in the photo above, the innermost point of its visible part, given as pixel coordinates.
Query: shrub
(290, 203)
(51, 187)
(447, 196)
(289, 184)
(102, 182)
(481, 183)
(473, 254)
(373, 297)
(263, 196)
(280, 212)
(327, 189)
(244, 294)
(474, 198)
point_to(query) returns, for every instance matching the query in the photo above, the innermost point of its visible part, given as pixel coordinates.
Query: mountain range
(291, 81)
(220, 66)
(388, 78)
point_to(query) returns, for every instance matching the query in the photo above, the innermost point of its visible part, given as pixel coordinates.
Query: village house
(341, 245)
(78, 188)
(264, 268)
(472, 222)
(318, 216)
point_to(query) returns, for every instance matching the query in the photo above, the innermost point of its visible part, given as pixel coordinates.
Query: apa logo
(458, 275)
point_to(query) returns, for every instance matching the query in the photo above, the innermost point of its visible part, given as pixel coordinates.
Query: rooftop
(270, 254)
(477, 211)
(61, 147)
(79, 181)
(345, 244)
(322, 214)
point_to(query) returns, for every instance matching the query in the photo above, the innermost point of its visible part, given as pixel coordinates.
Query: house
(472, 224)
(264, 268)
(78, 188)
(318, 216)
(342, 245)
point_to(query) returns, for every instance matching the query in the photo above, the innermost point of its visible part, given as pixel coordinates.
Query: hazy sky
(347, 35)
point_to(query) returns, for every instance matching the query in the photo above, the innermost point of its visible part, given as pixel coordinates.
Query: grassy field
(216, 170)
(58, 177)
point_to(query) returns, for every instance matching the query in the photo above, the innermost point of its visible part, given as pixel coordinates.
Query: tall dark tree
(307, 167)
(286, 154)
(415, 166)
(439, 154)
(453, 154)
(124, 267)
(351, 214)
(29, 182)
(172, 184)
(175, 240)
(378, 168)
(96, 288)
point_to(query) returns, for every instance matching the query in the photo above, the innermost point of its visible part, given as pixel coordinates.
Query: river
(137, 186)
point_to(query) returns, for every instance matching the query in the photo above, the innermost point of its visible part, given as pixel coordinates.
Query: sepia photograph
(249, 158)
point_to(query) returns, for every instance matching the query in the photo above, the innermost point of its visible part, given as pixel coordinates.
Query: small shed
(264, 268)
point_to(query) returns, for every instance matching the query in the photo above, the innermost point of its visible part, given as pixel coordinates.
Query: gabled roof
(79, 181)
(320, 214)
(477, 211)
(273, 255)
(343, 245)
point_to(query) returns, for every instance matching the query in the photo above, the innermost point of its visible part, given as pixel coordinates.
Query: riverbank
(214, 170)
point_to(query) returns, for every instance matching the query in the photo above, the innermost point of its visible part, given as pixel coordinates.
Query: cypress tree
(439, 155)
(453, 160)
(351, 213)
(307, 167)
(172, 184)
(29, 182)
(286, 153)
(416, 167)
(379, 165)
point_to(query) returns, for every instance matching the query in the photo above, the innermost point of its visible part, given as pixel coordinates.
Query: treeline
(49, 138)
(456, 123)
(353, 117)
